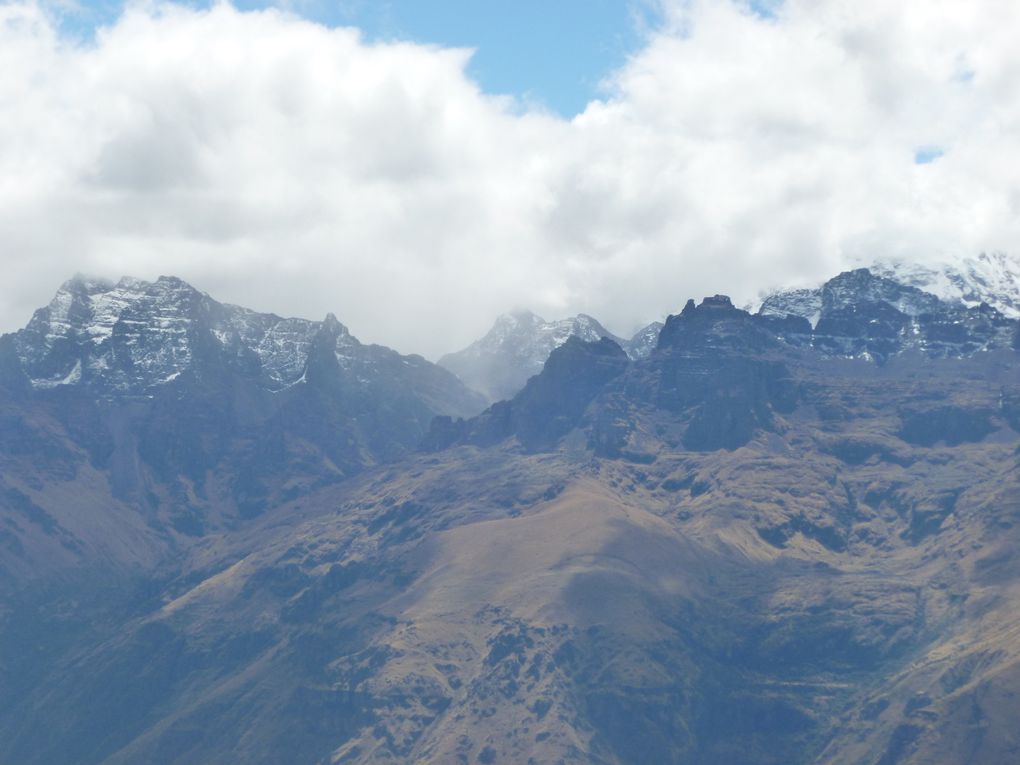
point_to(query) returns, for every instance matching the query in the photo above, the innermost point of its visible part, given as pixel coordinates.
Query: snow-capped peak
(531, 339)
(992, 278)
(516, 348)
(132, 335)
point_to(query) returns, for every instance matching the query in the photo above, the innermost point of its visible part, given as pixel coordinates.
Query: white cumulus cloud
(295, 168)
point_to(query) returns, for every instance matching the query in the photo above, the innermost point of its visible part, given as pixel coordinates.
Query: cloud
(295, 168)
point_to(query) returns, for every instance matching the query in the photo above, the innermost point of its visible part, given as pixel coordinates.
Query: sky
(417, 168)
(551, 55)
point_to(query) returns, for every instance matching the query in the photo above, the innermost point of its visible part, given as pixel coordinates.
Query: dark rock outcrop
(549, 406)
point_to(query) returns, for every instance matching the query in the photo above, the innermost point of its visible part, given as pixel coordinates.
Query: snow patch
(71, 378)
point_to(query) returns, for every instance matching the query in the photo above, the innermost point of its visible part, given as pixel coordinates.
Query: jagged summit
(858, 286)
(713, 307)
(992, 278)
(710, 310)
(864, 314)
(202, 412)
(333, 325)
(729, 369)
(500, 363)
(132, 336)
(869, 313)
(715, 325)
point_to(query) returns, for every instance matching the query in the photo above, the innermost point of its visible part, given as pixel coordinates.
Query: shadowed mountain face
(550, 405)
(757, 545)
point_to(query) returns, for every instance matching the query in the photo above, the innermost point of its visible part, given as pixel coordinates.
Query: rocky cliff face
(773, 540)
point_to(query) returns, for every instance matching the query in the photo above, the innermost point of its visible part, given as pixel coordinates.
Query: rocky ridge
(132, 336)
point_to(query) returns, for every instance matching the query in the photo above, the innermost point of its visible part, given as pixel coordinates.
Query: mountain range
(168, 410)
(500, 363)
(787, 536)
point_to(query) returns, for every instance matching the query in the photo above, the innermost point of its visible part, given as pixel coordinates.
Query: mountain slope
(757, 545)
(175, 416)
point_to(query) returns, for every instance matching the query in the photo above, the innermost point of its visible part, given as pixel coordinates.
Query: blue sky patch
(552, 54)
(927, 154)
